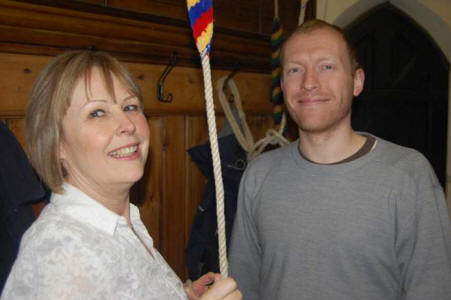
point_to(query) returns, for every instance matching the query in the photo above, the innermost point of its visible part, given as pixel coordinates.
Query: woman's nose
(125, 124)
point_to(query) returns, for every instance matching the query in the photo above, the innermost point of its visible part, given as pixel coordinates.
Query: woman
(88, 139)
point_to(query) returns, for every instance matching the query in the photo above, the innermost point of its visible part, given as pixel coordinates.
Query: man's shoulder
(270, 158)
(408, 161)
(397, 155)
(275, 154)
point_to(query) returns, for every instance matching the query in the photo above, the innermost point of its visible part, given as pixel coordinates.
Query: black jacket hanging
(202, 250)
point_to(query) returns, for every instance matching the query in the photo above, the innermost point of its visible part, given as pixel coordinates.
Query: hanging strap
(302, 11)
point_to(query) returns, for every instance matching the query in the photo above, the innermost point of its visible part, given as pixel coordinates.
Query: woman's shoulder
(52, 231)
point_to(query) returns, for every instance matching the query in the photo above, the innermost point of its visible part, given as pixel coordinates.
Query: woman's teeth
(124, 151)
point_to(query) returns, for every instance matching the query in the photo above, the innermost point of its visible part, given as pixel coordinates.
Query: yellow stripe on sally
(205, 38)
(191, 3)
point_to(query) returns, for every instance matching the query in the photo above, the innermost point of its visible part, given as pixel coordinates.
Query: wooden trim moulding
(32, 28)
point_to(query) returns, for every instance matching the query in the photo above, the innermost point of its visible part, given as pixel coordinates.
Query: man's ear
(359, 79)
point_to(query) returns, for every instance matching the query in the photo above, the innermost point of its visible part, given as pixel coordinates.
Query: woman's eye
(97, 113)
(132, 107)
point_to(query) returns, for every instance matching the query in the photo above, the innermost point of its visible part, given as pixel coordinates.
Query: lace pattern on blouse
(78, 249)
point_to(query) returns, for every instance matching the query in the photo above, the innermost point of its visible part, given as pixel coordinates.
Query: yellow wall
(433, 15)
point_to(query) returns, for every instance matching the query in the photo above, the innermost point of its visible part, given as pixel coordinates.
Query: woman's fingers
(225, 289)
(206, 279)
(200, 286)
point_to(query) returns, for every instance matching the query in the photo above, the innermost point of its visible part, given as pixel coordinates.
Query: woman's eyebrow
(128, 97)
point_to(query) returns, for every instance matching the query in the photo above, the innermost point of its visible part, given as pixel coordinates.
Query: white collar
(80, 206)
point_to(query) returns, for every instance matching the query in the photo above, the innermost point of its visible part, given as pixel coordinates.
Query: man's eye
(132, 107)
(328, 67)
(291, 71)
(97, 113)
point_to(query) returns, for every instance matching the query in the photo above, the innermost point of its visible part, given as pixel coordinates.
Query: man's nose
(310, 80)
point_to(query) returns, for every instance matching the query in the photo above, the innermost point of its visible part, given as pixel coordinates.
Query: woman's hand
(202, 289)
(197, 288)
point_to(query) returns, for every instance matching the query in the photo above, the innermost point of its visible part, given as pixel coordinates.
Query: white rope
(223, 265)
(243, 133)
(302, 11)
(272, 137)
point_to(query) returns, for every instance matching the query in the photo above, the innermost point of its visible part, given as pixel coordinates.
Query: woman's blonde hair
(49, 99)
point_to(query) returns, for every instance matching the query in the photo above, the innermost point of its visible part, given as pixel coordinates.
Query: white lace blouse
(78, 249)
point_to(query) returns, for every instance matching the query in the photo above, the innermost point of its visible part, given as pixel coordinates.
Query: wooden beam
(38, 29)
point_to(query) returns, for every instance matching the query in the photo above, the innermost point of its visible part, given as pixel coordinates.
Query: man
(337, 214)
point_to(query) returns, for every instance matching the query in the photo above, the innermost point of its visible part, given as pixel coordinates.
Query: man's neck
(331, 146)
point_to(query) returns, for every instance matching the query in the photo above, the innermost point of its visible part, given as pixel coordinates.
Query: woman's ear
(359, 79)
(62, 158)
(62, 151)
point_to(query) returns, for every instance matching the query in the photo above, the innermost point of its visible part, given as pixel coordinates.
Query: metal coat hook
(231, 97)
(160, 90)
(226, 82)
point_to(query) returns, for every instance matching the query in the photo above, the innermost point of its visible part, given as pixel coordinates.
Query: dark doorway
(405, 99)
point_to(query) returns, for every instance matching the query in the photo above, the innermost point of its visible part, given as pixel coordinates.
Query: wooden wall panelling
(187, 88)
(172, 220)
(150, 204)
(18, 73)
(196, 133)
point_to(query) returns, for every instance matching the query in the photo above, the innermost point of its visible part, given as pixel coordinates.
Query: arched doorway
(405, 99)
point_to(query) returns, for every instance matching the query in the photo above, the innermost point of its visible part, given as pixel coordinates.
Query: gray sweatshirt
(373, 228)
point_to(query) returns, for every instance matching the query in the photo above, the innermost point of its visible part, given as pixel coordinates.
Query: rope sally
(201, 19)
(276, 43)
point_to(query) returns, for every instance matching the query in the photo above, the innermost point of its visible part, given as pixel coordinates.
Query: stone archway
(405, 99)
(434, 25)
